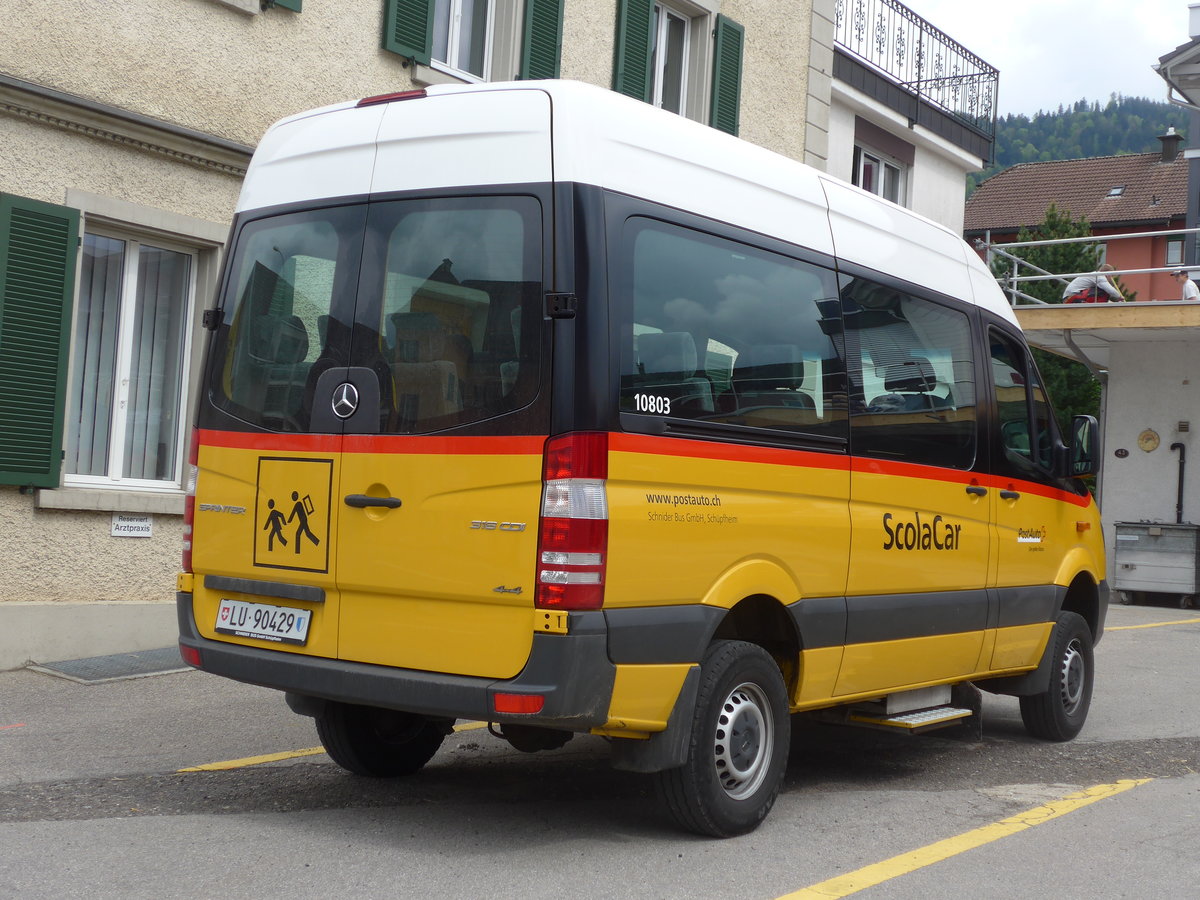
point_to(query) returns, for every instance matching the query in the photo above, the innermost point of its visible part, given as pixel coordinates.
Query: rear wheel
(1058, 713)
(378, 742)
(739, 743)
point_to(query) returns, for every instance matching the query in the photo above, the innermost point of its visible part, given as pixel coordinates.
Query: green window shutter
(38, 249)
(631, 64)
(541, 49)
(727, 75)
(293, 5)
(408, 28)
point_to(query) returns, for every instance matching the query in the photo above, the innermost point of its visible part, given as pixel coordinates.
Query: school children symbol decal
(292, 513)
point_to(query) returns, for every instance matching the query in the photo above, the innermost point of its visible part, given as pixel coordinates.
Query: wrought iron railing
(893, 39)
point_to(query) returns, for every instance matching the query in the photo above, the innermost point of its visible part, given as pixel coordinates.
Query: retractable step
(913, 722)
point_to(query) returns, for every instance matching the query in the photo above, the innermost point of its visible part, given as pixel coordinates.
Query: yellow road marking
(252, 760)
(1152, 625)
(869, 876)
(290, 754)
(470, 726)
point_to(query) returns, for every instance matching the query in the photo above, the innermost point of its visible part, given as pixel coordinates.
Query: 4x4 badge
(345, 400)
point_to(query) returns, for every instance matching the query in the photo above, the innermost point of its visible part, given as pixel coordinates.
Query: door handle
(976, 490)
(1009, 495)
(361, 501)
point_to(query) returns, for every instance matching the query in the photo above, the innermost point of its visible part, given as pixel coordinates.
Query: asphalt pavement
(95, 802)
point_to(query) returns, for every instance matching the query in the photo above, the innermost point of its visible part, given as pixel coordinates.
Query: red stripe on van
(663, 446)
(956, 476)
(503, 445)
(256, 440)
(491, 445)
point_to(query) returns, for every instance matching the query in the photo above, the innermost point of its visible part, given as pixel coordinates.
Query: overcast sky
(1059, 51)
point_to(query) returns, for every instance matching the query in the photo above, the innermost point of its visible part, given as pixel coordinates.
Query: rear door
(440, 492)
(269, 442)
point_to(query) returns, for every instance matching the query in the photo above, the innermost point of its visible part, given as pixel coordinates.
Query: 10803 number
(652, 403)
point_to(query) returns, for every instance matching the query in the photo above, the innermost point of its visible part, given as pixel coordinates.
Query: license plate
(281, 624)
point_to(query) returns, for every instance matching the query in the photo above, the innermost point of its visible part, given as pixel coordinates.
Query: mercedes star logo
(345, 400)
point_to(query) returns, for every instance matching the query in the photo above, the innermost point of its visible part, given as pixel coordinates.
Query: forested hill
(1123, 125)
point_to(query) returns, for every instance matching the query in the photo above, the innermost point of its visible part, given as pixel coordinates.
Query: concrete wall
(1152, 386)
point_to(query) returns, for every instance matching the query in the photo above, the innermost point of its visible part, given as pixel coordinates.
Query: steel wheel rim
(743, 741)
(1074, 671)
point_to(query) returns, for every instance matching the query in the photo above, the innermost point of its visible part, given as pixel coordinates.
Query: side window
(1028, 432)
(724, 332)
(912, 377)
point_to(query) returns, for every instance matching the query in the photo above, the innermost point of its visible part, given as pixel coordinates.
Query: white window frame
(451, 66)
(1174, 252)
(173, 230)
(121, 408)
(696, 76)
(861, 153)
(664, 14)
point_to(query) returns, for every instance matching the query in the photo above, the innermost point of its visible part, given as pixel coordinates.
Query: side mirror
(1085, 447)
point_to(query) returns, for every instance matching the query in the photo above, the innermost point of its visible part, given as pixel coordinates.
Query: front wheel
(382, 743)
(738, 749)
(1058, 713)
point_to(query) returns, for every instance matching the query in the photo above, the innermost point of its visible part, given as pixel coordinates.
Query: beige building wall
(172, 97)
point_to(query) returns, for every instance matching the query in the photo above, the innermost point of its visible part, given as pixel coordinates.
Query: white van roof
(541, 131)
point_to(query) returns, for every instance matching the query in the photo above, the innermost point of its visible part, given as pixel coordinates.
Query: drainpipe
(1179, 496)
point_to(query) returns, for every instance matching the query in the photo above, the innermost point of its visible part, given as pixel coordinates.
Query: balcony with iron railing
(893, 41)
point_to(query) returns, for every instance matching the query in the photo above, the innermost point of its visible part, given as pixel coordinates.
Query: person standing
(1094, 288)
(1190, 291)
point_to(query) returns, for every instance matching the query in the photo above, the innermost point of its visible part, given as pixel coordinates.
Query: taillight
(189, 500)
(573, 534)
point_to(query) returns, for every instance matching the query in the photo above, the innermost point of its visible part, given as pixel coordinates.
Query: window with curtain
(129, 354)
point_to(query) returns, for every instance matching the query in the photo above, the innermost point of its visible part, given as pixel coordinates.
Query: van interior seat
(281, 353)
(771, 375)
(912, 385)
(667, 364)
(427, 384)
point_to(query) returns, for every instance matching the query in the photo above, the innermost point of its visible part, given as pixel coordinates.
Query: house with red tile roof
(1128, 194)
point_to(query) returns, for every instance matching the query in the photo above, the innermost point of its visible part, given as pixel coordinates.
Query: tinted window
(455, 308)
(445, 310)
(289, 275)
(725, 332)
(1027, 428)
(912, 377)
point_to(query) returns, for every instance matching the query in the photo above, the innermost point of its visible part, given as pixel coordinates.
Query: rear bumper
(571, 671)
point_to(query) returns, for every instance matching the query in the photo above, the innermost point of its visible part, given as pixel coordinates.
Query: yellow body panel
(242, 530)
(684, 528)
(444, 583)
(916, 534)
(1016, 646)
(819, 669)
(643, 697)
(899, 665)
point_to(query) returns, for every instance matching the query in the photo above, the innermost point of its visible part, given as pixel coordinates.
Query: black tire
(380, 743)
(725, 789)
(1058, 713)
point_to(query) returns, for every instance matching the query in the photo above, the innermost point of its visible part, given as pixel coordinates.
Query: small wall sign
(127, 526)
